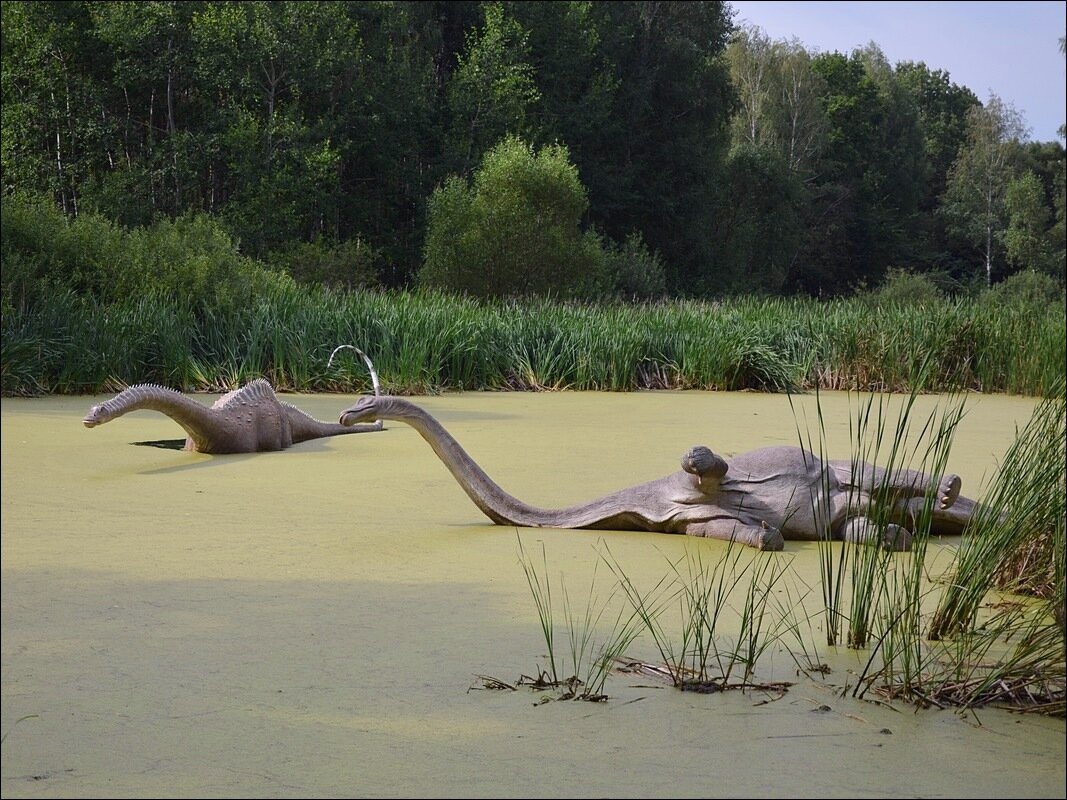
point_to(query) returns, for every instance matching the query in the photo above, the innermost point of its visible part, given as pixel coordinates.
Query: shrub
(191, 259)
(902, 287)
(1028, 288)
(634, 273)
(42, 251)
(515, 230)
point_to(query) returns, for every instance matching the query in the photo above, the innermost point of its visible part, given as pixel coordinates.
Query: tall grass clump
(695, 652)
(980, 645)
(868, 591)
(832, 559)
(579, 667)
(1023, 512)
(906, 443)
(702, 593)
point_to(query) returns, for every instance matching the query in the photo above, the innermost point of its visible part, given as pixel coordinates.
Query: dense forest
(576, 149)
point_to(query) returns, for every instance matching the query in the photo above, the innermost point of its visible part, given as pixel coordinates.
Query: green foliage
(632, 271)
(906, 288)
(294, 122)
(660, 155)
(515, 231)
(492, 86)
(190, 259)
(1029, 289)
(347, 265)
(1026, 242)
(942, 107)
(42, 251)
(760, 229)
(974, 201)
(779, 110)
(870, 179)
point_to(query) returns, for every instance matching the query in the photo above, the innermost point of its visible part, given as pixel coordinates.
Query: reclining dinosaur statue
(247, 420)
(760, 498)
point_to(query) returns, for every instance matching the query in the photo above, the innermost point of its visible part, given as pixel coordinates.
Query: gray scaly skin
(760, 498)
(247, 420)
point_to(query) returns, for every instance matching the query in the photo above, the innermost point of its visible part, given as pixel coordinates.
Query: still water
(312, 623)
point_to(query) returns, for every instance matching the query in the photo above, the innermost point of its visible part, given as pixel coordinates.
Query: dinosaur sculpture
(247, 420)
(760, 498)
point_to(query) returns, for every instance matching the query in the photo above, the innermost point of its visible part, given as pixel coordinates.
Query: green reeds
(702, 593)
(763, 619)
(1025, 504)
(424, 342)
(695, 653)
(588, 659)
(894, 448)
(963, 655)
(832, 557)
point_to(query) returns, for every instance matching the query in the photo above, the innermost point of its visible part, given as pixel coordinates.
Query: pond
(314, 622)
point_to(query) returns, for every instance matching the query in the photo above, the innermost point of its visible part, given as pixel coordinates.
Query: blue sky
(1010, 49)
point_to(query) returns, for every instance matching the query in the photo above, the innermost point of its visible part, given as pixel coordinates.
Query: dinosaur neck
(304, 427)
(495, 503)
(197, 420)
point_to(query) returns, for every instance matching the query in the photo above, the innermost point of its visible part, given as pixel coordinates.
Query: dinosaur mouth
(349, 418)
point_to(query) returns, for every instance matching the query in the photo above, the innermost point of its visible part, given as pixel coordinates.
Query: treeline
(585, 149)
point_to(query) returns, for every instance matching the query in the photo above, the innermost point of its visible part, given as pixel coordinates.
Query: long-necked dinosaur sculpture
(247, 420)
(760, 498)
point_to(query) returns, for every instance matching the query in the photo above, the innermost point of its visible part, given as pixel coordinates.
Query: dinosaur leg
(864, 530)
(901, 483)
(762, 538)
(951, 521)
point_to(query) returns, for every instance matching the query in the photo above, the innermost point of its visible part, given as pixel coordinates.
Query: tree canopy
(329, 139)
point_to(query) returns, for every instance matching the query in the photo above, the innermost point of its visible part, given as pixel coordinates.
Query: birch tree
(975, 197)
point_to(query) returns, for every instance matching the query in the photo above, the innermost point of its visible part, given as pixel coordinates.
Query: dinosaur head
(365, 410)
(97, 416)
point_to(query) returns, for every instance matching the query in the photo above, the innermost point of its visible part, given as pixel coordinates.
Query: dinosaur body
(247, 420)
(760, 498)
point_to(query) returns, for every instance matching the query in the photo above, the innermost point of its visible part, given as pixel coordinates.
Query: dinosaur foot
(862, 530)
(762, 537)
(768, 538)
(703, 462)
(895, 537)
(949, 490)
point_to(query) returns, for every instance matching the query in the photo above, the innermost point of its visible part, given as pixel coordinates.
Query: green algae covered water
(313, 623)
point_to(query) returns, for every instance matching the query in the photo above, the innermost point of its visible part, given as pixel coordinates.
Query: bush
(902, 287)
(634, 273)
(43, 252)
(1028, 288)
(515, 231)
(191, 259)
